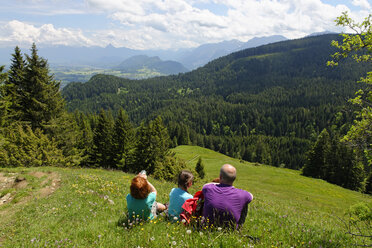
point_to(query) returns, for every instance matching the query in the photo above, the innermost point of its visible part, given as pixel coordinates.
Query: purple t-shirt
(223, 204)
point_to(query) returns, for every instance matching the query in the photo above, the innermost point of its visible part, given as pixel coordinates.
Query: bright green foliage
(25, 147)
(168, 168)
(359, 46)
(41, 100)
(123, 139)
(102, 153)
(67, 135)
(359, 222)
(361, 40)
(199, 168)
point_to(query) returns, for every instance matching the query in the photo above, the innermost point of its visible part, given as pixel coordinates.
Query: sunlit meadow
(89, 210)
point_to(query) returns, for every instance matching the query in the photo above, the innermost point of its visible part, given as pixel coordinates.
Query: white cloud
(362, 3)
(166, 24)
(244, 20)
(23, 34)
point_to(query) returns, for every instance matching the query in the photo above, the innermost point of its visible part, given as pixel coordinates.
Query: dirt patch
(6, 182)
(20, 183)
(38, 174)
(55, 183)
(15, 181)
(6, 198)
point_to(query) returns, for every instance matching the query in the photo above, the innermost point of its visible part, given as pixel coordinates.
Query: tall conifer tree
(152, 146)
(123, 141)
(102, 155)
(5, 101)
(41, 100)
(317, 157)
(15, 83)
(199, 168)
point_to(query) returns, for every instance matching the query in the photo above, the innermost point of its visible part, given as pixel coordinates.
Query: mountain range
(110, 57)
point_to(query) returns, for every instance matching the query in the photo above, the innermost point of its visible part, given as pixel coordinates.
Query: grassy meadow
(88, 209)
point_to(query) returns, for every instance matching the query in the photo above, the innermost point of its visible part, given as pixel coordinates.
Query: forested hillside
(266, 104)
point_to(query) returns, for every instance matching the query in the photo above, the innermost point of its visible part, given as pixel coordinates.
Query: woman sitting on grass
(179, 195)
(141, 202)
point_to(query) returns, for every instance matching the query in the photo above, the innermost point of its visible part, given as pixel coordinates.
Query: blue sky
(165, 24)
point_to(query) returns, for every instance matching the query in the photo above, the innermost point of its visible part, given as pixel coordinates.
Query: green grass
(288, 210)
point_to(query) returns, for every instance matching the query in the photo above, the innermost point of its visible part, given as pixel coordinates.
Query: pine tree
(343, 168)
(316, 163)
(199, 168)
(5, 101)
(184, 138)
(85, 142)
(152, 147)
(40, 100)
(65, 132)
(123, 141)
(26, 147)
(15, 83)
(102, 155)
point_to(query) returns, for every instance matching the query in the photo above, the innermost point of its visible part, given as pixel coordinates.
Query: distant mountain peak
(139, 62)
(320, 33)
(110, 46)
(259, 41)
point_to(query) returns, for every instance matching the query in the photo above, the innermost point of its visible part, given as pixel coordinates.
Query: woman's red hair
(139, 188)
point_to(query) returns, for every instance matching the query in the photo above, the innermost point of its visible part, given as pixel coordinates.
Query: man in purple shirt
(224, 204)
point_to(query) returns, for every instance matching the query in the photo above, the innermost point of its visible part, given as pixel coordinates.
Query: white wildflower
(188, 231)
(183, 221)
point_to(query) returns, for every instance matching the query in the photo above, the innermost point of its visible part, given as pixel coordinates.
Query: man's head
(227, 174)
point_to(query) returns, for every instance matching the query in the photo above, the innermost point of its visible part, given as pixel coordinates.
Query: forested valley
(267, 104)
(271, 104)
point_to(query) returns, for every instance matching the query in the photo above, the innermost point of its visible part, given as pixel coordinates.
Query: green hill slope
(285, 188)
(62, 207)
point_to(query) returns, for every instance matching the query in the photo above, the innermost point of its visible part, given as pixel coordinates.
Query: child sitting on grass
(179, 195)
(141, 201)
